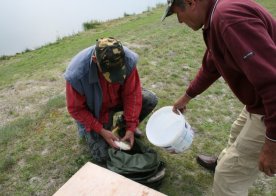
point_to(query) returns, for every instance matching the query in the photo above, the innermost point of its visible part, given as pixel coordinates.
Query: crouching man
(100, 81)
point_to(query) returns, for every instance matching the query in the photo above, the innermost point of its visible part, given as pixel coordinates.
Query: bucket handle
(179, 113)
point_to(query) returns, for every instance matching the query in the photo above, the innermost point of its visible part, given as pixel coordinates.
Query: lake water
(28, 24)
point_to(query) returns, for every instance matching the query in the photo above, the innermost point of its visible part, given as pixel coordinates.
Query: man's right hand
(180, 104)
(109, 137)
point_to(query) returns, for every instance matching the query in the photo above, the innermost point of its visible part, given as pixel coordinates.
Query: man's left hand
(129, 136)
(267, 160)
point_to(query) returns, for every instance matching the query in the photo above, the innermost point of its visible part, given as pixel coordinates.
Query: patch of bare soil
(134, 45)
(26, 97)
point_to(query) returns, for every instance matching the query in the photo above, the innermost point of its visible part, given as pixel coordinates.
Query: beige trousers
(237, 166)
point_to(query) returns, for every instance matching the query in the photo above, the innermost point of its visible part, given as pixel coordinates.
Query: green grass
(91, 25)
(40, 149)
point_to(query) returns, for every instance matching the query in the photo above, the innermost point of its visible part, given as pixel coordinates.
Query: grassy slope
(40, 151)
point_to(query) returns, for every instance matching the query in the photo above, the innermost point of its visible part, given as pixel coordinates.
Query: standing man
(241, 47)
(101, 80)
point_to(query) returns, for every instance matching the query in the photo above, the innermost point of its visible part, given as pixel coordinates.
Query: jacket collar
(93, 73)
(210, 12)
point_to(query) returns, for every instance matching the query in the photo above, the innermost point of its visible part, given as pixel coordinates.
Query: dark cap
(168, 10)
(111, 57)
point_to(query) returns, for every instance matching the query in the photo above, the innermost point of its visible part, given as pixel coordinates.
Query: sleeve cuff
(187, 95)
(190, 94)
(273, 140)
(97, 127)
(131, 127)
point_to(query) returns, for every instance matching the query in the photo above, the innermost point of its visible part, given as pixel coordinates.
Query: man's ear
(94, 58)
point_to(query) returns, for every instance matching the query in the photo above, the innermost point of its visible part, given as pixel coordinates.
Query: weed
(91, 25)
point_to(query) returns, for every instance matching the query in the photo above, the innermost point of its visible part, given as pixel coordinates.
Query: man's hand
(129, 136)
(109, 137)
(181, 103)
(267, 160)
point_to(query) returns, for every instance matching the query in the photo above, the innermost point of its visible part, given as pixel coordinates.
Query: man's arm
(256, 57)
(205, 77)
(259, 67)
(76, 106)
(132, 100)
(132, 103)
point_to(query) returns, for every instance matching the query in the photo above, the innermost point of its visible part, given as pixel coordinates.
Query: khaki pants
(238, 163)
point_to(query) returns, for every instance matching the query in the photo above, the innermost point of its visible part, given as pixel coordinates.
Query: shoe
(207, 162)
(138, 133)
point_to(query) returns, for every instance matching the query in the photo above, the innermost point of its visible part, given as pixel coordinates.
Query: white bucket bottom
(169, 130)
(182, 143)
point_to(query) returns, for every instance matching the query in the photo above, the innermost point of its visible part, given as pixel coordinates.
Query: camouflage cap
(110, 55)
(168, 10)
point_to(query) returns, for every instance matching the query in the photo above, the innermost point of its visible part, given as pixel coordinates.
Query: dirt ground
(26, 97)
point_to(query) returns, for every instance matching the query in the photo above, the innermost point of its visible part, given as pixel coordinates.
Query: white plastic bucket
(169, 130)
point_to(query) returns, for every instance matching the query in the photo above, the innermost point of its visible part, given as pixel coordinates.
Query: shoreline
(75, 30)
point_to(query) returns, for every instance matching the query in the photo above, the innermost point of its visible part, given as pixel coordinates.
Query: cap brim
(115, 75)
(167, 12)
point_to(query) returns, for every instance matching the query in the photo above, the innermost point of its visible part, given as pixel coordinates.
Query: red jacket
(241, 47)
(129, 95)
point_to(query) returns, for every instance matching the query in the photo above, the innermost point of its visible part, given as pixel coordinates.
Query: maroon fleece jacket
(241, 47)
